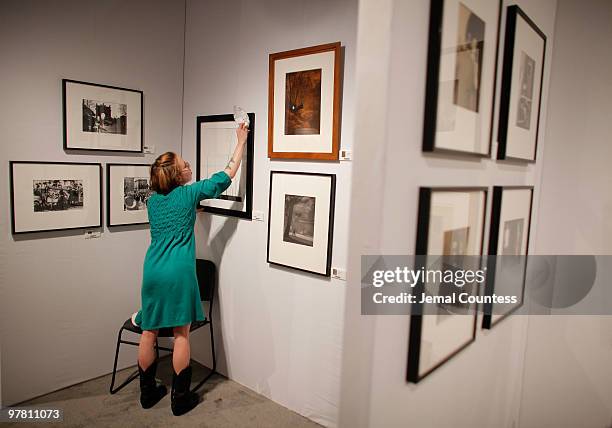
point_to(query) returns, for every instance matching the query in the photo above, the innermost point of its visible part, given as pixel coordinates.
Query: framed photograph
(301, 220)
(450, 226)
(49, 196)
(101, 117)
(127, 192)
(509, 242)
(521, 88)
(461, 76)
(304, 103)
(216, 140)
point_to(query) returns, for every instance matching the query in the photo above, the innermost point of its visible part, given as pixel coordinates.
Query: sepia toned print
(299, 220)
(468, 65)
(455, 244)
(456, 241)
(303, 102)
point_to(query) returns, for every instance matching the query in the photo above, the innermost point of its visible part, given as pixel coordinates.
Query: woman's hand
(242, 132)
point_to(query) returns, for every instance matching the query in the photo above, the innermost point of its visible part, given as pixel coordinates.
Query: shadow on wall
(212, 248)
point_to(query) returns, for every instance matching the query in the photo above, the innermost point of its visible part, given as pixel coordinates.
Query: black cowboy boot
(150, 391)
(183, 400)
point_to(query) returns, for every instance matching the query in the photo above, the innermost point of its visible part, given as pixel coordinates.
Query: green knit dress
(170, 294)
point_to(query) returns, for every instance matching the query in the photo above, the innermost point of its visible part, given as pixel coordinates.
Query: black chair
(207, 280)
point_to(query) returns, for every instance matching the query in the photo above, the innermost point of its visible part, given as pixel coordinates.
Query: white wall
(568, 375)
(481, 386)
(280, 330)
(63, 298)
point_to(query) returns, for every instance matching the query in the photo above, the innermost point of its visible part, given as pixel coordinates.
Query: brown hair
(165, 173)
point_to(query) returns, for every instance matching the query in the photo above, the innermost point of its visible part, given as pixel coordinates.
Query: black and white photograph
(450, 228)
(508, 247)
(299, 219)
(521, 88)
(127, 193)
(527, 70)
(105, 117)
(468, 65)
(136, 193)
(51, 196)
(102, 117)
(215, 142)
(461, 77)
(57, 195)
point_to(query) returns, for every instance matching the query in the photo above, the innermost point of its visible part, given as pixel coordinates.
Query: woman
(170, 293)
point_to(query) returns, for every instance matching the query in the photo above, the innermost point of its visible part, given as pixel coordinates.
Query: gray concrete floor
(226, 404)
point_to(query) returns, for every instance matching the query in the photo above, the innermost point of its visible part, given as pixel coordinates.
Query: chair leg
(116, 358)
(214, 358)
(212, 346)
(131, 377)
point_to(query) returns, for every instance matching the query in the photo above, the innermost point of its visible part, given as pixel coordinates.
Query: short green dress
(170, 294)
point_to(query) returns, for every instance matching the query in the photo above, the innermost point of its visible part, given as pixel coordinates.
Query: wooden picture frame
(215, 142)
(102, 117)
(304, 103)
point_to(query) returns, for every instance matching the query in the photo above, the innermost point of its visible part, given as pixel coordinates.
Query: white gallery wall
(63, 298)
(481, 386)
(568, 374)
(278, 331)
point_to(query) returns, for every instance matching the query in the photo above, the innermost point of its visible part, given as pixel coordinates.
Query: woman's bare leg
(181, 355)
(146, 351)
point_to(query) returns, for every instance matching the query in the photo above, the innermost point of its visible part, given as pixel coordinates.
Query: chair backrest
(207, 279)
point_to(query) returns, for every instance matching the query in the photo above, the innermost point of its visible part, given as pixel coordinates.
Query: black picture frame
(14, 230)
(330, 231)
(109, 219)
(496, 207)
(413, 374)
(514, 13)
(66, 143)
(432, 86)
(246, 164)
